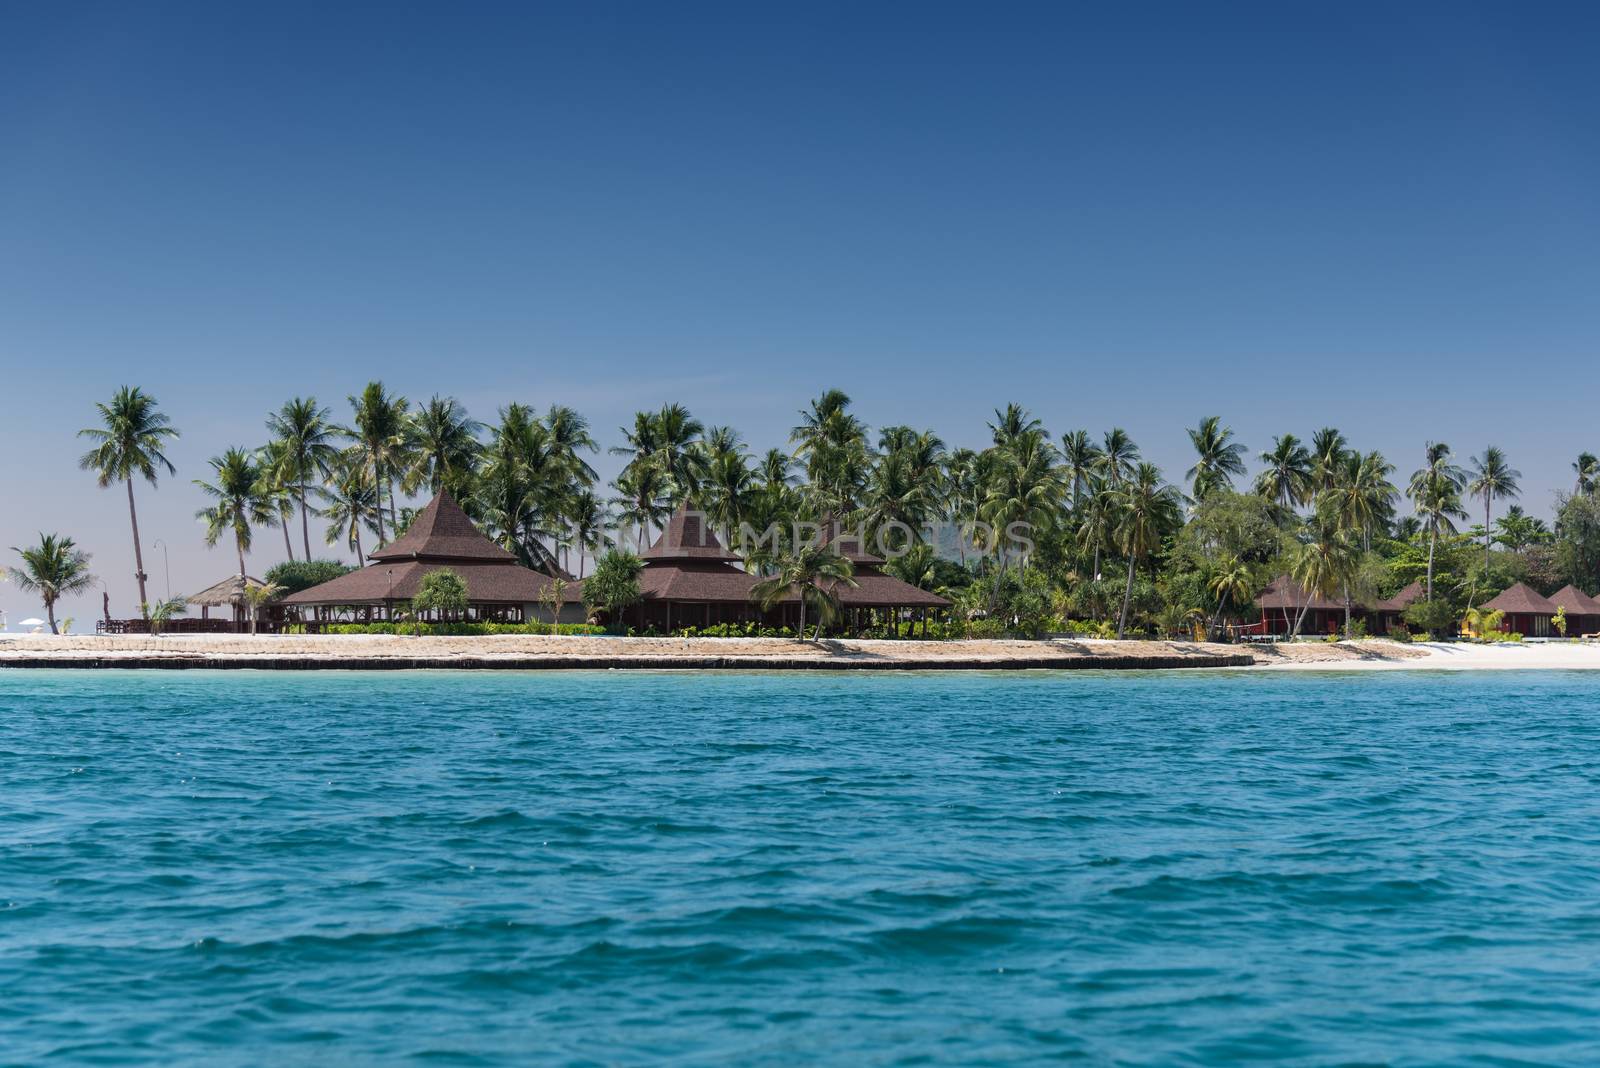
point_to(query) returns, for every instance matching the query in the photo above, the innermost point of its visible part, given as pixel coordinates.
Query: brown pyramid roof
(687, 537)
(442, 532)
(488, 582)
(1575, 601)
(847, 544)
(1523, 599)
(1284, 592)
(1404, 599)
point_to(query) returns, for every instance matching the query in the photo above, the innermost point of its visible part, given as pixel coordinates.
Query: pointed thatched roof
(1404, 599)
(687, 537)
(1575, 601)
(1523, 600)
(229, 591)
(443, 532)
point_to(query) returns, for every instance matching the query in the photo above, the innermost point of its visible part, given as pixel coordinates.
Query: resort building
(1583, 611)
(1527, 612)
(1389, 613)
(876, 595)
(499, 588)
(1282, 602)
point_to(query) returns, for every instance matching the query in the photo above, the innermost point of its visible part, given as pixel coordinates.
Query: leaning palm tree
(1287, 480)
(1218, 457)
(53, 569)
(241, 502)
(814, 573)
(305, 436)
(1230, 580)
(128, 442)
(1146, 510)
(1325, 561)
(350, 502)
(1492, 477)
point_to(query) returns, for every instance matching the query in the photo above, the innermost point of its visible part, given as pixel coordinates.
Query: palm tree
(380, 433)
(1146, 510)
(1287, 480)
(444, 448)
(726, 491)
(1492, 477)
(303, 430)
(814, 572)
(1517, 530)
(1588, 469)
(1097, 524)
(258, 597)
(1011, 424)
(1026, 491)
(1229, 580)
(128, 442)
(833, 445)
(1435, 492)
(1219, 457)
(1118, 455)
(1328, 451)
(350, 502)
(278, 488)
(1325, 561)
(1362, 495)
(1080, 458)
(681, 461)
(53, 569)
(240, 500)
(641, 501)
(589, 522)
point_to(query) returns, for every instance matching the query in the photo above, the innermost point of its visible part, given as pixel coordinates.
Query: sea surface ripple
(1204, 868)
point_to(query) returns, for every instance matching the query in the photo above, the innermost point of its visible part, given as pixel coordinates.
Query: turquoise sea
(617, 868)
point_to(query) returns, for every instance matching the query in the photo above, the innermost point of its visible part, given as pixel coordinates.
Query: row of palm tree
(528, 482)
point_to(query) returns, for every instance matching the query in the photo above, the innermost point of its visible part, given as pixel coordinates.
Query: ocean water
(618, 868)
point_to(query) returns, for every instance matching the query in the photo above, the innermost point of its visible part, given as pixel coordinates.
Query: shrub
(614, 585)
(297, 575)
(461, 629)
(443, 592)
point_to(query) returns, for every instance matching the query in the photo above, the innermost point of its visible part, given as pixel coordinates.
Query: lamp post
(166, 565)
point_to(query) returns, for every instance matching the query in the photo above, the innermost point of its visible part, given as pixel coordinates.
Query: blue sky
(1381, 217)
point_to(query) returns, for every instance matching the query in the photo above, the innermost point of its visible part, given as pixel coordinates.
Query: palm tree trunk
(50, 609)
(360, 556)
(1348, 634)
(1127, 595)
(377, 478)
(238, 543)
(1433, 537)
(1299, 620)
(802, 631)
(138, 558)
(394, 513)
(1222, 603)
(305, 519)
(1486, 500)
(288, 546)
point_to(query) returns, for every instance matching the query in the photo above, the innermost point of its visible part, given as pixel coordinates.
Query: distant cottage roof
(1575, 601)
(687, 536)
(1284, 592)
(1523, 599)
(1404, 599)
(442, 532)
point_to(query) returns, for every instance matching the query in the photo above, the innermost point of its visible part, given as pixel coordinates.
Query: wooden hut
(1527, 611)
(875, 595)
(1282, 602)
(1389, 613)
(499, 588)
(691, 580)
(1583, 611)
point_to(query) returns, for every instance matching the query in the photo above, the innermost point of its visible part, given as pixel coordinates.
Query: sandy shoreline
(538, 651)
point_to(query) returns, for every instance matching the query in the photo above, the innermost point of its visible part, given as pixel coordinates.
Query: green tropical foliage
(53, 568)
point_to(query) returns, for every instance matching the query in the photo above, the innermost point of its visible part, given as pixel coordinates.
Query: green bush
(461, 630)
(297, 575)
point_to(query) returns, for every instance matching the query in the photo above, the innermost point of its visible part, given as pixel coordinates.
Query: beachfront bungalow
(1283, 600)
(1583, 611)
(499, 588)
(876, 596)
(691, 580)
(1527, 612)
(1389, 613)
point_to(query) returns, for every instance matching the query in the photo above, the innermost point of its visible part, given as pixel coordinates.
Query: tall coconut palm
(128, 442)
(677, 452)
(1492, 479)
(1287, 478)
(1217, 458)
(53, 569)
(379, 432)
(1328, 452)
(832, 444)
(1097, 519)
(444, 448)
(1146, 510)
(1012, 423)
(240, 500)
(1362, 495)
(1435, 492)
(726, 491)
(303, 429)
(350, 503)
(1587, 467)
(1080, 459)
(814, 573)
(1025, 493)
(278, 489)
(1229, 580)
(641, 500)
(1118, 456)
(589, 523)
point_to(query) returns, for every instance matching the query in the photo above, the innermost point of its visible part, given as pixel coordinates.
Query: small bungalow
(1583, 611)
(1282, 602)
(228, 594)
(690, 580)
(1390, 612)
(1527, 611)
(499, 588)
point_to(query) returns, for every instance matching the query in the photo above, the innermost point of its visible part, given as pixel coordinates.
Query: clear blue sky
(1382, 217)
